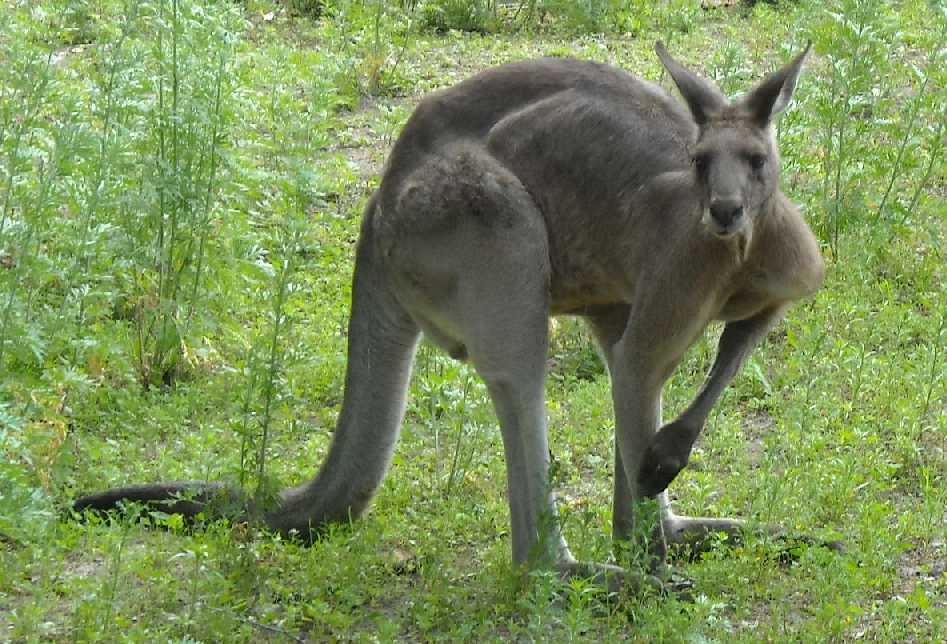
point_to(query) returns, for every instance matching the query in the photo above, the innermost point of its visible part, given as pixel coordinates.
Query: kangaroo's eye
(757, 161)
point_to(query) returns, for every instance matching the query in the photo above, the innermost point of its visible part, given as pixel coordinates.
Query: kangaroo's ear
(703, 99)
(771, 96)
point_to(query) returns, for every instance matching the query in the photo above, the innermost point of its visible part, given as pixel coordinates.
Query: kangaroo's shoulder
(786, 251)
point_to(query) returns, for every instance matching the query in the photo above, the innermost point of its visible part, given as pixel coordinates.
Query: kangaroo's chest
(742, 304)
(755, 288)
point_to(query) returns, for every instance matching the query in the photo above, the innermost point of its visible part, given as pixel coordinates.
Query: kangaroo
(559, 187)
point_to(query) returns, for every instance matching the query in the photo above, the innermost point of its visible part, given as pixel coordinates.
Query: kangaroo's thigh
(462, 237)
(468, 253)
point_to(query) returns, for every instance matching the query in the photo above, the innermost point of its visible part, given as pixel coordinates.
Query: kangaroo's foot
(695, 535)
(616, 579)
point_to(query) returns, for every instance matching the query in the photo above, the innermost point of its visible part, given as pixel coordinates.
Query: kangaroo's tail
(381, 343)
(179, 497)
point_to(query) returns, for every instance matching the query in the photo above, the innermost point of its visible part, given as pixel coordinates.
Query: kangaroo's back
(582, 138)
(553, 111)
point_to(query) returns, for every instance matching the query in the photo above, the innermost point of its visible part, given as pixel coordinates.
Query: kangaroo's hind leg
(471, 258)
(475, 270)
(607, 327)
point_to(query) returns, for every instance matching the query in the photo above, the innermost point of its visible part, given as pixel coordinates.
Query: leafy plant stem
(937, 145)
(461, 433)
(47, 176)
(24, 122)
(245, 437)
(114, 576)
(282, 283)
(935, 357)
(205, 221)
(83, 257)
(896, 168)
(268, 387)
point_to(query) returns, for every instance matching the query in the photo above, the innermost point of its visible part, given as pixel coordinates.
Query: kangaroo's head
(735, 160)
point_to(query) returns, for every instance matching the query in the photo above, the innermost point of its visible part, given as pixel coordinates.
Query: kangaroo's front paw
(666, 456)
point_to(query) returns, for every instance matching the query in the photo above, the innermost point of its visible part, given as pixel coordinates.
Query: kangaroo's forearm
(736, 342)
(670, 448)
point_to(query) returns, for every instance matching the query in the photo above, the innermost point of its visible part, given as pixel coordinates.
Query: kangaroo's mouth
(728, 232)
(723, 231)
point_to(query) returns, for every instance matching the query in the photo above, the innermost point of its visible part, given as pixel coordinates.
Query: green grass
(180, 190)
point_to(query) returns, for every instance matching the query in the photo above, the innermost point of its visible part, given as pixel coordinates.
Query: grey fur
(565, 187)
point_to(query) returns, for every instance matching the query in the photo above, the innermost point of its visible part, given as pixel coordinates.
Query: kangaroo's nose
(726, 211)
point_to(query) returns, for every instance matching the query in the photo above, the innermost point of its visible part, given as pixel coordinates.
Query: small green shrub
(460, 15)
(309, 8)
